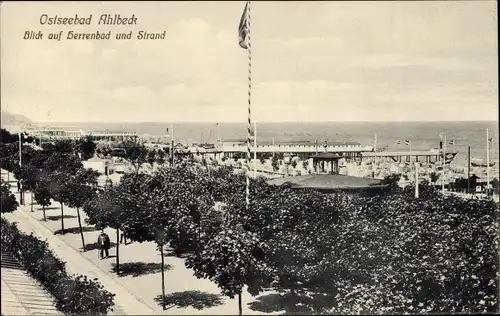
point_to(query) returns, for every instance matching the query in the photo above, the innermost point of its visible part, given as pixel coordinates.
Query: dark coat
(103, 241)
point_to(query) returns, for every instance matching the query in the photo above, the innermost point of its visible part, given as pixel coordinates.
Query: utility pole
(172, 160)
(21, 197)
(487, 162)
(218, 135)
(468, 171)
(416, 178)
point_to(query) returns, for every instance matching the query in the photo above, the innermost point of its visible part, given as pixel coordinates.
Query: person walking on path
(104, 244)
(123, 238)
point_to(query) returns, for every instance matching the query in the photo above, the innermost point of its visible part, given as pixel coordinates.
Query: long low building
(303, 151)
(61, 133)
(407, 156)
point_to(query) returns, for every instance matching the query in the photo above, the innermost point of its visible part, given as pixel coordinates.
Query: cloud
(310, 61)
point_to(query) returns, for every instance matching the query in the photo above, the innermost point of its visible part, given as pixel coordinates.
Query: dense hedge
(73, 294)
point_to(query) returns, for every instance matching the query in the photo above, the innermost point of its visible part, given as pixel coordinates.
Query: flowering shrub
(73, 294)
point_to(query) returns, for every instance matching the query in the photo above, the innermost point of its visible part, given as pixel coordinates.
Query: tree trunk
(44, 217)
(31, 192)
(162, 278)
(21, 202)
(117, 252)
(240, 307)
(62, 219)
(80, 227)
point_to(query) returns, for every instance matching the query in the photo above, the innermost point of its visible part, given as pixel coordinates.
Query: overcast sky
(312, 61)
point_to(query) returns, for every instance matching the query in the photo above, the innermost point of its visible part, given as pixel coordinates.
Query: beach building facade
(55, 133)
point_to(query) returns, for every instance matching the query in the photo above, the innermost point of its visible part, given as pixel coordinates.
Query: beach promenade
(138, 289)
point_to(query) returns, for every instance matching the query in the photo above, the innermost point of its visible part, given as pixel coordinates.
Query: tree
(134, 153)
(231, 258)
(391, 180)
(29, 178)
(59, 147)
(275, 163)
(294, 163)
(57, 169)
(8, 200)
(81, 187)
(104, 210)
(161, 157)
(7, 138)
(165, 208)
(151, 157)
(434, 177)
(43, 196)
(103, 150)
(59, 191)
(495, 185)
(86, 147)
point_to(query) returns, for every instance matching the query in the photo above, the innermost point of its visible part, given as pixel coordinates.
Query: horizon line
(267, 122)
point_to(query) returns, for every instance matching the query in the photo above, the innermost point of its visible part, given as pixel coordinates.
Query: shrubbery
(73, 294)
(8, 200)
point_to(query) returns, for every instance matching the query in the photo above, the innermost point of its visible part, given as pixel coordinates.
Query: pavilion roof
(326, 181)
(326, 155)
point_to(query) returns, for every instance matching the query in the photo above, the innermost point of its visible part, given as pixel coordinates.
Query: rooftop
(326, 181)
(267, 142)
(327, 155)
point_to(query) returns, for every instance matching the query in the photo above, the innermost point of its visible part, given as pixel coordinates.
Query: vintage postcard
(250, 157)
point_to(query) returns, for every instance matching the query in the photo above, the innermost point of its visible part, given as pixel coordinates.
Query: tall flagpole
(417, 165)
(444, 163)
(245, 43)
(255, 150)
(249, 127)
(375, 154)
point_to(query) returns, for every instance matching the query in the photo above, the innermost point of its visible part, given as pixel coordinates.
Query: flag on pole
(244, 28)
(407, 142)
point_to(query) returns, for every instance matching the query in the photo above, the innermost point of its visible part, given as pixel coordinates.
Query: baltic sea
(423, 135)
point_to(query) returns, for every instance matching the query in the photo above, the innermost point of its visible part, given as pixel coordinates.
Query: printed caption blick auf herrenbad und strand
(82, 21)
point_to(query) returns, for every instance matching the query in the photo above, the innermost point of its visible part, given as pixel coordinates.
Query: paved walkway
(21, 293)
(126, 302)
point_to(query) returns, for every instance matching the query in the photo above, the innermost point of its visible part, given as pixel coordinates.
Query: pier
(430, 156)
